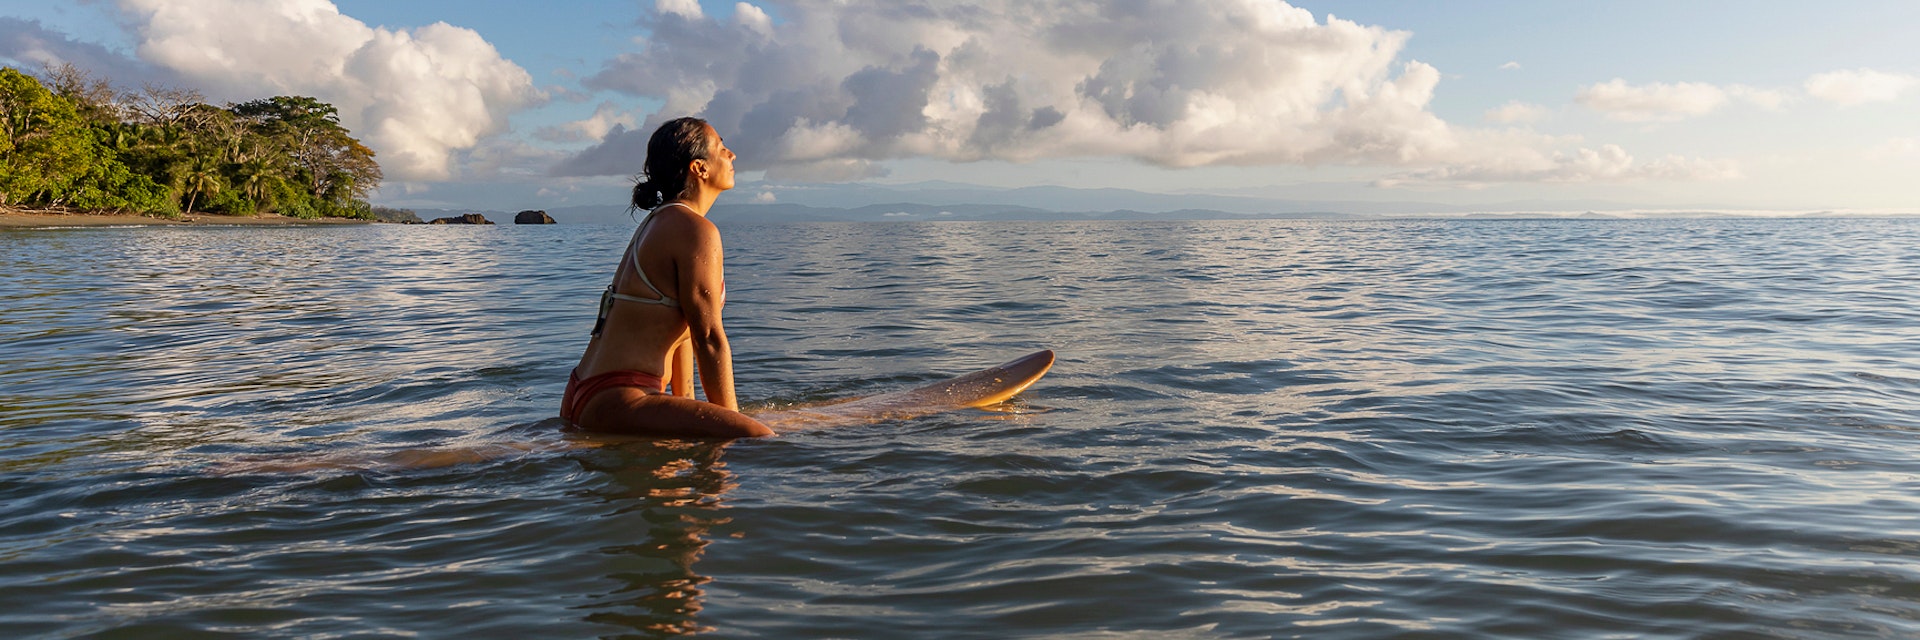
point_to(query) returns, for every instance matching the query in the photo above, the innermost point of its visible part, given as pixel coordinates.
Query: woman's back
(644, 321)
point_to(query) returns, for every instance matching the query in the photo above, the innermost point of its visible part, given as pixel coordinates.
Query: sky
(497, 105)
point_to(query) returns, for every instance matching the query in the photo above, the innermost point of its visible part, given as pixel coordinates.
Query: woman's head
(670, 155)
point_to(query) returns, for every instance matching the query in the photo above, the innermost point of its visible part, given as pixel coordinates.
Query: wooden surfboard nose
(1011, 378)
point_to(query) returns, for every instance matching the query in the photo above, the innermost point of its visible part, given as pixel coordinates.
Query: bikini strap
(633, 255)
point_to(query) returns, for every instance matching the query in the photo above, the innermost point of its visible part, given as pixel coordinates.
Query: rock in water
(471, 218)
(533, 216)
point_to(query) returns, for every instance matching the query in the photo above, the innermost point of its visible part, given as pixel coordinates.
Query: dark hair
(664, 173)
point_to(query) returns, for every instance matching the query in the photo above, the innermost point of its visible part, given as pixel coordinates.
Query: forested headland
(69, 141)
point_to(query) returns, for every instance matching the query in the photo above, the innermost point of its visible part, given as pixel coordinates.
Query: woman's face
(719, 161)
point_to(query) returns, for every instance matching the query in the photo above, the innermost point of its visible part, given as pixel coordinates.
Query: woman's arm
(702, 293)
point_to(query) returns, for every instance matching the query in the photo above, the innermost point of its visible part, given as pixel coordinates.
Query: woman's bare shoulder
(678, 216)
(687, 225)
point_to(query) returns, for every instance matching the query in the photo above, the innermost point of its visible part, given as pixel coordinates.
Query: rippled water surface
(1570, 429)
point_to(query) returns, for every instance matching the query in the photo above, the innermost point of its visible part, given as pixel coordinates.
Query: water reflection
(1528, 429)
(675, 488)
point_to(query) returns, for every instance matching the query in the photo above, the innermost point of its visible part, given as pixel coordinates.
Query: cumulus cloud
(1245, 81)
(684, 8)
(505, 157)
(417, 97)
(753, 18)
(593, 128)
(1516, 112)
(1859, 86)
(1510, 66)
(1657, 102)
(1662, 102)
(836, 88)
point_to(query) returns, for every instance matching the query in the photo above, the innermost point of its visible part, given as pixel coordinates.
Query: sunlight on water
(1255, 429)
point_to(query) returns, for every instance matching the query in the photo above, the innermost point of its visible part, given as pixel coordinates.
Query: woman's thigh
(635, 411)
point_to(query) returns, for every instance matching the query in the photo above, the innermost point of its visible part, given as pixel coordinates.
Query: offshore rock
(471, 218)
(533, 216)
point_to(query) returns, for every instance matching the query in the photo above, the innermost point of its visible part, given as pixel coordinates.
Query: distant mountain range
(956, 202)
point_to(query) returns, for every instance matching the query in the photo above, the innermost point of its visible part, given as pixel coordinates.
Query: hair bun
(646, 195)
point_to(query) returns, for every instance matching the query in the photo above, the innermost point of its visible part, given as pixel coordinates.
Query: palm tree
(257, 179)
(202, 178)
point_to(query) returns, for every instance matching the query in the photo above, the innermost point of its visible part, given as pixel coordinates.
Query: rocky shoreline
(30, 218)
(10, 217)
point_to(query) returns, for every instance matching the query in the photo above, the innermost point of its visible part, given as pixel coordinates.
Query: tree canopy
(68, 140)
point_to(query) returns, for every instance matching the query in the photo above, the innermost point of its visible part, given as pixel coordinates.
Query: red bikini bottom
(579, 391)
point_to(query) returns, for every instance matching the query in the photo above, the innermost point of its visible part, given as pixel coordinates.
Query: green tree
(159, 152)
(201, 179)
(44, 143)
(112, 186)
(71, 141)
(324, 153)
(257, 178)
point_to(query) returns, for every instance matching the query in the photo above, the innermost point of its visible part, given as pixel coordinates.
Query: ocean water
(1422, 429)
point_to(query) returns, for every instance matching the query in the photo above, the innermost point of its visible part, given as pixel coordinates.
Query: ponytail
(663, 175)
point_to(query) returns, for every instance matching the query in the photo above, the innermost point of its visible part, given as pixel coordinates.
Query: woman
(661, 315)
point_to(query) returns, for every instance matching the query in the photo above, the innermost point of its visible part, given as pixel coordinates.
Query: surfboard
(978, 389)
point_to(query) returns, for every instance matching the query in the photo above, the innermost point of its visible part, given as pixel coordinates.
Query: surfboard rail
(981, 388)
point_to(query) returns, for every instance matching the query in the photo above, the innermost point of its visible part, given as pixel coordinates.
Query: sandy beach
(11, 218)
